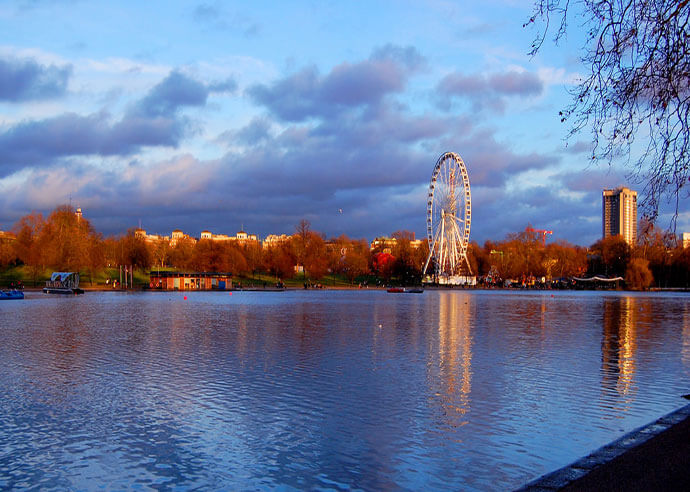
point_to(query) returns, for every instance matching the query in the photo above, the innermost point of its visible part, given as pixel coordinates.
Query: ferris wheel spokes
(448, 217)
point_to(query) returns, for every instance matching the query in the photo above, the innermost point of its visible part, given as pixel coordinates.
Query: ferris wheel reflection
(455, 356)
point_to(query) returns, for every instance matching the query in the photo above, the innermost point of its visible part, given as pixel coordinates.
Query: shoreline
(652, 457)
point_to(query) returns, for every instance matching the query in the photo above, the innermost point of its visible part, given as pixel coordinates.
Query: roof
(61, 276)
(166, 274)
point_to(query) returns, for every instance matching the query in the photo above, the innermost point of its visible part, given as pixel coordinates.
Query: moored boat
(63, 283)
(6, 295)
(406, 290)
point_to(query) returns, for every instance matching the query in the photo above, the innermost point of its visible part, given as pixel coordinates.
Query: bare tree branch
(635, 99)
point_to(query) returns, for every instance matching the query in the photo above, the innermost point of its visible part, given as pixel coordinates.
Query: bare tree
(637, 88)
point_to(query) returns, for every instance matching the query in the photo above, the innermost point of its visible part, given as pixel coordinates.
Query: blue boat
(6, 295)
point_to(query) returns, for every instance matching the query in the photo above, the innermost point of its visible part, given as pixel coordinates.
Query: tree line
(63, 241)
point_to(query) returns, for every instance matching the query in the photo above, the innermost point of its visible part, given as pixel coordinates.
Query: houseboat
(63, 283)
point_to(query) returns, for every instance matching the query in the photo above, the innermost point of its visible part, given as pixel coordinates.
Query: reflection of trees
(619, 344)
(455, 356)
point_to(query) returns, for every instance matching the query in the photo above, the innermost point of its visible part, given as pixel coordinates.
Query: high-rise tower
(619, 214)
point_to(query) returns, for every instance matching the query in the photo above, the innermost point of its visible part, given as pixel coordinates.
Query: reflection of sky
(448, 389)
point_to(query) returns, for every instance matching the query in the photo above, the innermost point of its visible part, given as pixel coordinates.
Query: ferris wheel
(449, 211)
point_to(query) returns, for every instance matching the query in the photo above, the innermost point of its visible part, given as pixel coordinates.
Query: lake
(471, 390)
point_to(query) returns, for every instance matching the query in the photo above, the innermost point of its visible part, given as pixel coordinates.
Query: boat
(6, 295)
(63, 283)
(414, 290)
(411, 290)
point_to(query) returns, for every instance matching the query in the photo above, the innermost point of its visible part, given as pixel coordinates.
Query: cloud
(307, 94)
(176, 91)
(25, 80)
(488, 90)
(152, 121)
(215, 16)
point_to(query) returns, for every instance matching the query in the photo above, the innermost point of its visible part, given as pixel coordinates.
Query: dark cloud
(25, 80)
(494, 216)
(152, 121)
(593, 180)
(40, 143)
(257, 131)
(307, 94)
(175, 91)
(488, 90)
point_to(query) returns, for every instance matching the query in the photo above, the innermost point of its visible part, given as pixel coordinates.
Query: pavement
(653, 457)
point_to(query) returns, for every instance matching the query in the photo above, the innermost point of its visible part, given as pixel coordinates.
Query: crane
(542, 232)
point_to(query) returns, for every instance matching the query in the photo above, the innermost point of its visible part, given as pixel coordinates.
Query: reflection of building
(619, 214)
(619, 343)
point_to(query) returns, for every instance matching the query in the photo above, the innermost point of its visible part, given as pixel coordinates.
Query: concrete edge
(565, 476)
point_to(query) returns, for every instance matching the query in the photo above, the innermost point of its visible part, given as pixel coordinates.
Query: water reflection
(619, 344)
(455, 356)
(311, 390)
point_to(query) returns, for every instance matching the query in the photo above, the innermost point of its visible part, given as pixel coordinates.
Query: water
(469, 390)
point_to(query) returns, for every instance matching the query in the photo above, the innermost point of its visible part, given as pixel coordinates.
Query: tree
(28, 246)
(7, 254)
(133, 251)
(637, 86)
(637, 275)
(279, 261)
(356, 260)
(614, 254)
(67, 240)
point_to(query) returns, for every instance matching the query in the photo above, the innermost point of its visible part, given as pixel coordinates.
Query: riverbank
(653, 457)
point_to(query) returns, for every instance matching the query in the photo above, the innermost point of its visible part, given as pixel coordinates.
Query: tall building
(619, 214)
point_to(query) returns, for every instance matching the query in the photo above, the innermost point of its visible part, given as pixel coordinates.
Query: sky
(228, 116)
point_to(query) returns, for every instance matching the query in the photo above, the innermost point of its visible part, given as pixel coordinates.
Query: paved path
(654, 457)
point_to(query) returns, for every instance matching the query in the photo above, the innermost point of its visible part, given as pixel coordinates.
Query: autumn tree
(565, 259)
(637, 274)
(279, 261)
(209, 256)
(133, 250)
(7, 253)
(181, 255)
(406, 266)
(356, 260)
(636, 86)
(160, 252)
(28, 246)
(315, 259)
(67, 240)
(611, 256)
